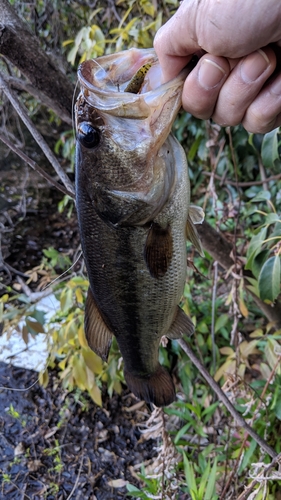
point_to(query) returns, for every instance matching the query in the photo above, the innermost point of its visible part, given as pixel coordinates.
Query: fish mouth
(105, 83)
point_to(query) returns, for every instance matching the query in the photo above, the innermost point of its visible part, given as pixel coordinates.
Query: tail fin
(157, 388)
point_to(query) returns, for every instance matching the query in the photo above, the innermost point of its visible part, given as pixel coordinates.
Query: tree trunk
(22, 48)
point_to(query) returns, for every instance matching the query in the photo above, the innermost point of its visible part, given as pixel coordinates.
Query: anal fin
(158, 250)
(98, 335)
(182, 325)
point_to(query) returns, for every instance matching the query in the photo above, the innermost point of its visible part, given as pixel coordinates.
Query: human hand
(238, 79)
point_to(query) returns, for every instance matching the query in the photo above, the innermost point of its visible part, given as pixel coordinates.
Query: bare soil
(60, 445)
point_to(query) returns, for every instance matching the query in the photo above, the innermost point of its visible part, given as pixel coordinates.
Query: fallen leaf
(19, 449)
(51, 432)
(34, 465)
(117, 483)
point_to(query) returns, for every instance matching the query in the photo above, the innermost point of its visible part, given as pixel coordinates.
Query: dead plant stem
(249, 488)
(234, 332)
(214, 296)
(77, 479)
(222, 397)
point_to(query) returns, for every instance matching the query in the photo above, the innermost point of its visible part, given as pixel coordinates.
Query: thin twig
(23, 85)
(242, 184)
(4, 388)
(35, 166)
(163, 468)
(77, 480)
(222, 397)
(23, 113)
(214, 296)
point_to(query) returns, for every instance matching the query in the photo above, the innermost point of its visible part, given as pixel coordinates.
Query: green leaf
(255, 246)
(189, 475)
(66, 300)
(259, 261)
(272, 351)
(204, 480)
(193, 149)
(248, 455)
(135, 492)
(276, 230)
(272, 218)
(221, 322)
(181, 432)
(261, 196)
(253, 287)
(148, 7)
(211, 486)
(269, 149)
(269, 279)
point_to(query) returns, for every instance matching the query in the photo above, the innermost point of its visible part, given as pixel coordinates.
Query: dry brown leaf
(19, 449)
(117, 483)
(33, 465)
(51, 432)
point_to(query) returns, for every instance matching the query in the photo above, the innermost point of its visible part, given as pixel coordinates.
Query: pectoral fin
(192, 235)
(182, 325)
(98, 335)
(158, 250)
(196, 214)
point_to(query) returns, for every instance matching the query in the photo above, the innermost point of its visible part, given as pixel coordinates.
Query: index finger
(174, 50)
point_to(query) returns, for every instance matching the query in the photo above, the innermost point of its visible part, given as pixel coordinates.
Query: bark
(220, 249)
(22, 48)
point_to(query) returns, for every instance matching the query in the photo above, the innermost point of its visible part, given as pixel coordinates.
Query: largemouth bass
(132, 193)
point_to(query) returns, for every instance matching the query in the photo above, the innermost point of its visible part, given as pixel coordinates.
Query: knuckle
(261, 120)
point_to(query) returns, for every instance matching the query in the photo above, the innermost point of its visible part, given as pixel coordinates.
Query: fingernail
(210, 74)
(276, 87)
(254, 65)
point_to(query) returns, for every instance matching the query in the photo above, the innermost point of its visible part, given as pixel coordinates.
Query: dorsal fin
(98, 335)
(182, 325)
(158, 250)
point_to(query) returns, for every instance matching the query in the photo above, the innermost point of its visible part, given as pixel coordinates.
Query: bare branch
(35, 166)
(24, 85)
(222, 397)
(22, 112)
(225, 181)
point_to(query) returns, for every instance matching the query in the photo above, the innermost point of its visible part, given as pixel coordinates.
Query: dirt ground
(60, 445)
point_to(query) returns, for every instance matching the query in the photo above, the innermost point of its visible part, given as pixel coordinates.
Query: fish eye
(88, 135)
